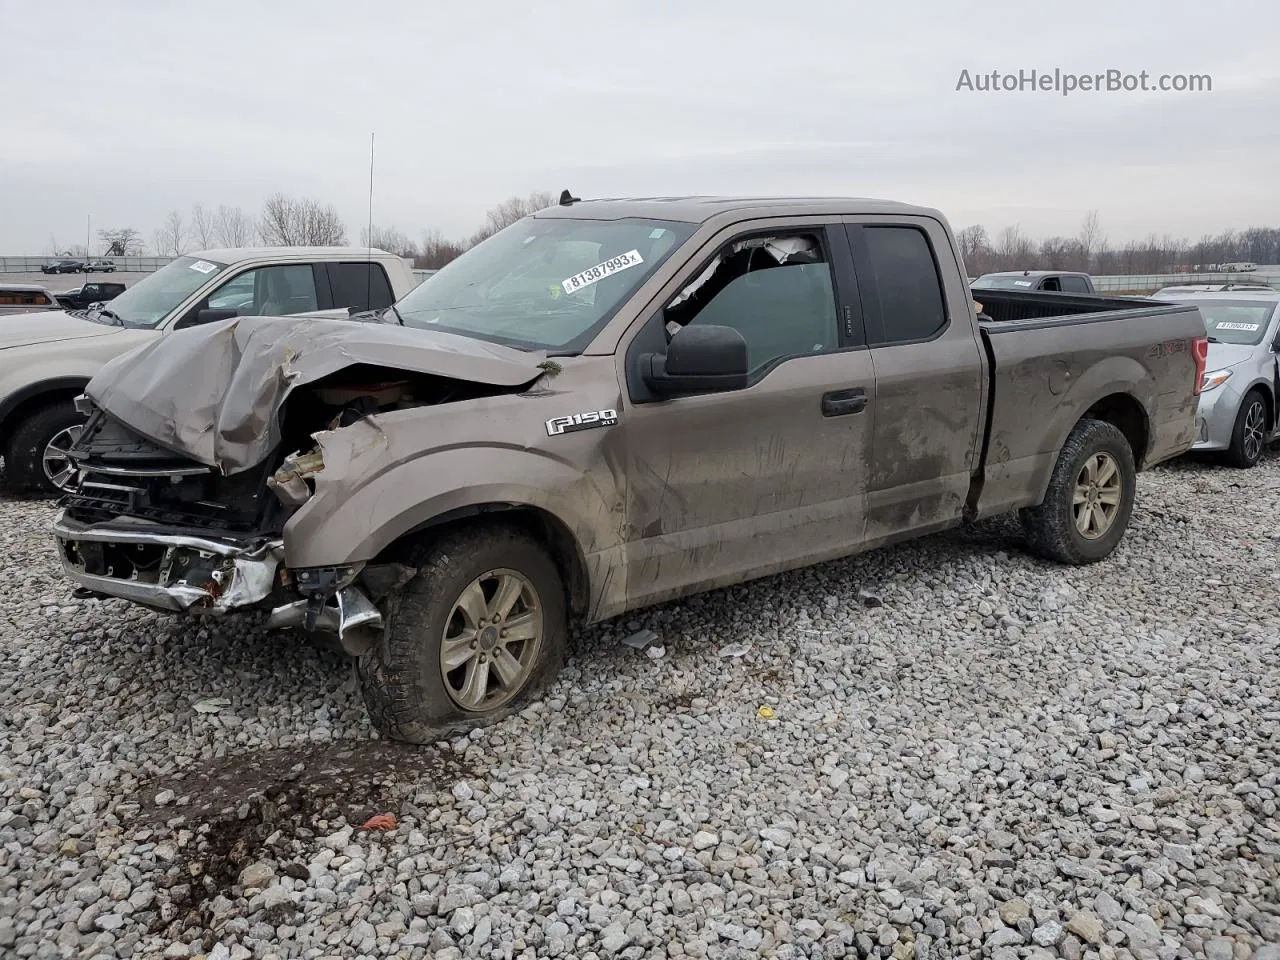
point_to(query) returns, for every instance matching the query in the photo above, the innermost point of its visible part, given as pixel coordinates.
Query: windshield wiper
(116, 319)
(399, 319)
(1214, 340)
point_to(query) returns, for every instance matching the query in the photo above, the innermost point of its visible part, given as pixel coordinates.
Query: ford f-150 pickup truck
(607, 405)
(46, 360)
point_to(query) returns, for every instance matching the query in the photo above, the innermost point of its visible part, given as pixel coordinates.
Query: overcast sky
(123, 111)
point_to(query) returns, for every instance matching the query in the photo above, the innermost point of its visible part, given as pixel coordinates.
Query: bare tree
(290, 222)
(1091, 237)
(389, 239)
(509, 211)
(171, 237)
(232, 227)
(1014, 248)
(121, 242)
(202, 227)
(436, 251)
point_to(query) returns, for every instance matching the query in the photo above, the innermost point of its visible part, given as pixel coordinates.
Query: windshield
(152, 298)
(543, 284)
(1003, 283)
(1236, 321)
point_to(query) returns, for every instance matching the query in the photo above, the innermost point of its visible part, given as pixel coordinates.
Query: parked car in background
(82, 296)
(63, 266)
(100, 266)
(46, 361)
(1051, 280)
(26, 298)
(608, 405)
(1186, 288)
(1237, 410)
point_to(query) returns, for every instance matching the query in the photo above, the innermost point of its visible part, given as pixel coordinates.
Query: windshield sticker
(656, 234)
(1246, 327)
(580, 281)
(1022, 283)
(203, 266)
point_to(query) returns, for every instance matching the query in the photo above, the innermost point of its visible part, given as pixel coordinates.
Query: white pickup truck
(47, 358)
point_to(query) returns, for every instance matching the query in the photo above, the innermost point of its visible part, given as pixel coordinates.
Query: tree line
(297, 222)
(1089, 252)
(292, 221)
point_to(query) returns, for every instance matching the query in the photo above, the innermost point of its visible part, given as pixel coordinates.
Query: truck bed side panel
(1048, 373)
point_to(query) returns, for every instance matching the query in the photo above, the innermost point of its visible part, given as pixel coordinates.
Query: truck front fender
(354, 518)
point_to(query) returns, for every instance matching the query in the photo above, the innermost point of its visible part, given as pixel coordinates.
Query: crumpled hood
(214, 392)
(48, 326)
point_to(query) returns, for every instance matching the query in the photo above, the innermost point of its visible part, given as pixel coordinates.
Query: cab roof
(230, 255)
(702, 209)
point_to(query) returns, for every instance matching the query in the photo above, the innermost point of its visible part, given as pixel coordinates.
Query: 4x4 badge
(581, 421)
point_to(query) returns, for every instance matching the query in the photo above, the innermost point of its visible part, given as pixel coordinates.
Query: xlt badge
(581, 421)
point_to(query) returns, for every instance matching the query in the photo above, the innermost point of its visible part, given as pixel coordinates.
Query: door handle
(840, 403)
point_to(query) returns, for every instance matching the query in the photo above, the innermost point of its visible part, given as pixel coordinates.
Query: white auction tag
(594, 274)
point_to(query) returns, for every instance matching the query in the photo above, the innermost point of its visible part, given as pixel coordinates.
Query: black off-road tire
(1237, 455)
(1051, 527)
(24, 456)
(400, 677)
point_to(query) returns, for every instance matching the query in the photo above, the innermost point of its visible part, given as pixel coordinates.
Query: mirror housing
(699, 358)
(208, 316)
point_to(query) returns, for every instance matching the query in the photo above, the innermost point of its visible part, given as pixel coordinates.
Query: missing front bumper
(170, 572)
(185, 574)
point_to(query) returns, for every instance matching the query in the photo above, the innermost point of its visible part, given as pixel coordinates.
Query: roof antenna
(368, 273)
(567, 198)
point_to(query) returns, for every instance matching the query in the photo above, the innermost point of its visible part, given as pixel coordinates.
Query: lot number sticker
(203, 266)
(594, 274)
(1246, 327)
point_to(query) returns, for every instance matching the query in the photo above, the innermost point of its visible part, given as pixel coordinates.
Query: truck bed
(1052, 355)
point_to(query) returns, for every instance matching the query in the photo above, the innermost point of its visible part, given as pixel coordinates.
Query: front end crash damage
(199, 449)
(186, 574)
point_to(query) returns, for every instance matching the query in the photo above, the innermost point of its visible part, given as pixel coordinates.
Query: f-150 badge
(581, 421)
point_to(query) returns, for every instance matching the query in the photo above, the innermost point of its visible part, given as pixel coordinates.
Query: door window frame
(648, 333)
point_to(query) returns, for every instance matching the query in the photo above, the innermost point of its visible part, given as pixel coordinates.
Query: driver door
(730, 485)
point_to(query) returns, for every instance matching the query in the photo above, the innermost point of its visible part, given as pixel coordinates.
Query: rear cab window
(363, 286)
(900, 285)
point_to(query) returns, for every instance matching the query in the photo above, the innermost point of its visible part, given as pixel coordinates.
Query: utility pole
(88, 224)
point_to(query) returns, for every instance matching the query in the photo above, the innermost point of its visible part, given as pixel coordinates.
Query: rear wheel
(1087, 506)
(1249, 435)
(36, 458)
(479, 630)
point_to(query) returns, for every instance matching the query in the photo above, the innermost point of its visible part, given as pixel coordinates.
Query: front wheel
(480, 629)
(1087, 506)
(1249, 435)
(36, 458)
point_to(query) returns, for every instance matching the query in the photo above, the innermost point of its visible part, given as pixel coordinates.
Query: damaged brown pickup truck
(608, 405)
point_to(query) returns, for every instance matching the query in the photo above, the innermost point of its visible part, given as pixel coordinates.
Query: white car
(25, 298)
(46, 360)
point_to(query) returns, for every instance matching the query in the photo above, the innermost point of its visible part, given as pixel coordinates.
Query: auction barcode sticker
(203, 266)
(1246, 327)
(601, 270)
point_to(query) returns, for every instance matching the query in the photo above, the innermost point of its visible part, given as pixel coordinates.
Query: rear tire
(24, 458)
(1087, 506)
(409, 689)
(1249, 435)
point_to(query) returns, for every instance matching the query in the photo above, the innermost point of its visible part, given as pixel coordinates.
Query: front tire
(479, 630)
(35, 459)
(1249, 435)
(1087, 506)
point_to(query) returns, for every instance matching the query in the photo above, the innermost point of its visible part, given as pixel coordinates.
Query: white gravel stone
(984, 755)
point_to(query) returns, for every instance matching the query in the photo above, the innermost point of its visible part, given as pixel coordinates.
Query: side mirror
(698, 359)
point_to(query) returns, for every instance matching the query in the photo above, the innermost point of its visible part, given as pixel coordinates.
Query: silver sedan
(1237, 412)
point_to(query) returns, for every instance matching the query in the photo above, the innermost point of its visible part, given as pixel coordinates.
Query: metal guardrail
(122, 264)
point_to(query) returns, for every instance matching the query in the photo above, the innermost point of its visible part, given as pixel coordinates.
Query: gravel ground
(966, 752)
